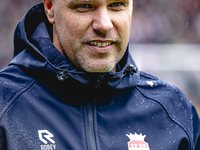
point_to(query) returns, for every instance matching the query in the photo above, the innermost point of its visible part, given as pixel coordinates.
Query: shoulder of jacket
(160, 90)
(170, 96)
(13, 83)
(174, 102)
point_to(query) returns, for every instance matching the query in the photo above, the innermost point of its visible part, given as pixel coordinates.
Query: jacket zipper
(89, 127)
(89, 118)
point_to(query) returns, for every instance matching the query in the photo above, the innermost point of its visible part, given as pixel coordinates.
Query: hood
(36, 55)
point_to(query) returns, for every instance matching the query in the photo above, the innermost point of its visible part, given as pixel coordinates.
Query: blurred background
(164, 40)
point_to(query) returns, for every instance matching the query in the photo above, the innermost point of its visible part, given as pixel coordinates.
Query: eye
(117, 5)
(83, 7)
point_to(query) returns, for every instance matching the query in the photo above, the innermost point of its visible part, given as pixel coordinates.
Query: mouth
(99, 44)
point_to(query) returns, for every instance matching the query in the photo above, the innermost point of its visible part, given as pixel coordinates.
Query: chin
(99, 68)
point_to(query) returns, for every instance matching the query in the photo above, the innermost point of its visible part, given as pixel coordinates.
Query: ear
(48, 6)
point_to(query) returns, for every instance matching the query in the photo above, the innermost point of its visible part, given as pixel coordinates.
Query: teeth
(100, 44)
(103, 44)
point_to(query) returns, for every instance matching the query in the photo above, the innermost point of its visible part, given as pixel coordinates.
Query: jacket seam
(168, 114)
(14, 98)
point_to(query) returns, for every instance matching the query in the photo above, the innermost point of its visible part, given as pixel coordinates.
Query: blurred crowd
(166, 21)
(11, 11)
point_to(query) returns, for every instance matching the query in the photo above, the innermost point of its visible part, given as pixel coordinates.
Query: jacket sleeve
(189, 118)
(196, 129)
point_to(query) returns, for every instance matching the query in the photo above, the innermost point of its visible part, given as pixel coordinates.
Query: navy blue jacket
(47, 104)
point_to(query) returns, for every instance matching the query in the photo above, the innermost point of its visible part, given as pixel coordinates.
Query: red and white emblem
(137, 142)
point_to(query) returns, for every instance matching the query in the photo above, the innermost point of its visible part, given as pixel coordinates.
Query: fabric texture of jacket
(47, 104)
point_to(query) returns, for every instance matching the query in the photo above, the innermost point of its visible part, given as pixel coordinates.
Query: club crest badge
(137, 142)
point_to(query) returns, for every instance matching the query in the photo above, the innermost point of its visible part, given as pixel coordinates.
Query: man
(72, 85)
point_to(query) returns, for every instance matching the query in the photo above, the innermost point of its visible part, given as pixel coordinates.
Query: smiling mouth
(100, 44)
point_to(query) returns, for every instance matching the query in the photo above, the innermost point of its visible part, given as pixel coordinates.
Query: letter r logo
(47, 135)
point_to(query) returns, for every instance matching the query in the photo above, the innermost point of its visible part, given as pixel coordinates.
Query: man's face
(93, 33)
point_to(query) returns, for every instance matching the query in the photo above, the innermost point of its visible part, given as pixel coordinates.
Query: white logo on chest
(46, 137)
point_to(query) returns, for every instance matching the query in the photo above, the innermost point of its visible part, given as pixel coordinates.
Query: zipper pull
(62, 76)
(99, 81)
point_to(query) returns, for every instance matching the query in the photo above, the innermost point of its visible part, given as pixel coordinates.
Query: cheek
(65, 23)
(124, 32)
(123, 25)
(76, 25)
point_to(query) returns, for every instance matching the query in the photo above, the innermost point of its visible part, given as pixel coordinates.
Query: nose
(102, 22)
